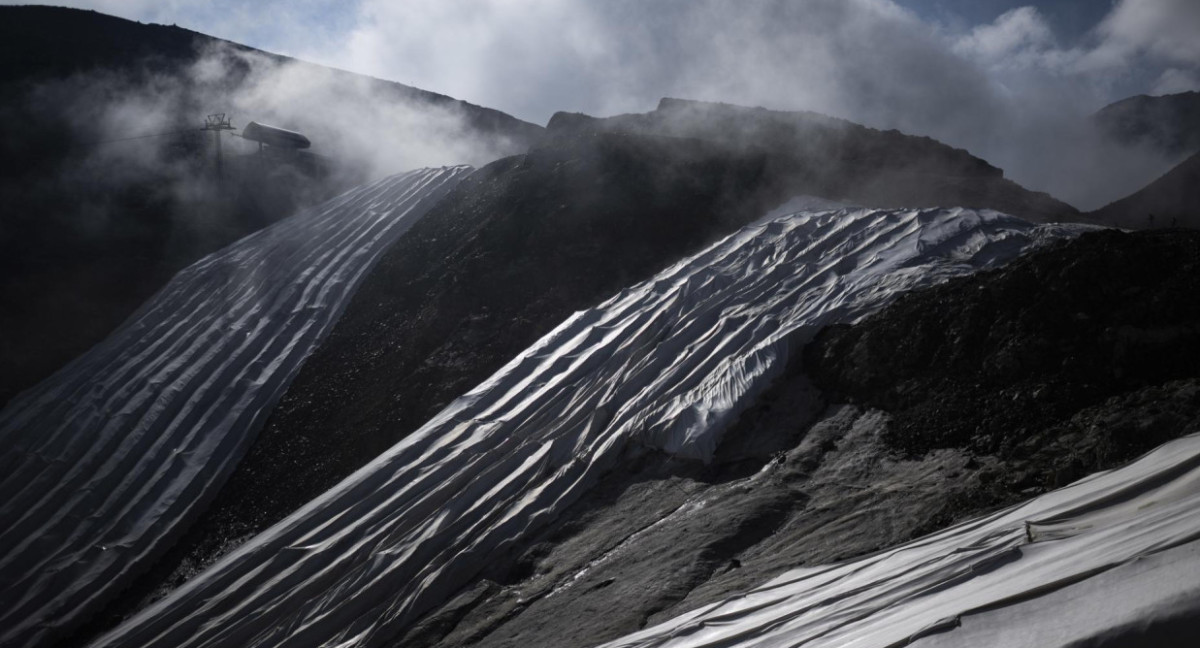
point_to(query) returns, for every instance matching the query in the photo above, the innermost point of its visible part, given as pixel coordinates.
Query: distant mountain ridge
(40, 42)
(1168, 123)
(834, 158)
(1170, 126)
(1170, 201)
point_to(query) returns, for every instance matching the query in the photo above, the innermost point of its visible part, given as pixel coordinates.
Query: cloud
(1005, 90)
(370, 127)
(1167, 29)
(1175, 80)
(519, 55)
(1015, 34)
(352, 118)
(534, 57)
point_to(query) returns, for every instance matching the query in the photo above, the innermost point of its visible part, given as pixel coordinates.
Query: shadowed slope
(1171, 201)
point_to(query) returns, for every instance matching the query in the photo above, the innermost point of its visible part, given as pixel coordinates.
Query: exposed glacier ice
(669, 364)
(108, 459)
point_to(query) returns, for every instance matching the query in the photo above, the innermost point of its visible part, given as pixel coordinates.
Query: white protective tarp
(105, 460)
(1114, 557)
(668, 363)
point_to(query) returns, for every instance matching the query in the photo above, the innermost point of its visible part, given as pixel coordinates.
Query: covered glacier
(108, 460)
(666, 364)
(1112, 560)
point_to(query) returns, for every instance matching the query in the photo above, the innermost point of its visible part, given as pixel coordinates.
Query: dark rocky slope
(1069, 360)
(838, 159)
(1171, 201)
(506, 257)
(89, 230)
(993, 388)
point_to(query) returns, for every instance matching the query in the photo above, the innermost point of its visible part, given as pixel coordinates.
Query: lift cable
(137, 137)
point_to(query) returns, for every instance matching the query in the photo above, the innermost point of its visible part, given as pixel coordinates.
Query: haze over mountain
(1171, 201)
(1012, 82)
(93, 226)
(1170, 123)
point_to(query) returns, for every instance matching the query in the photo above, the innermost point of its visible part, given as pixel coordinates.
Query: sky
(532, 58)
(1002, 78)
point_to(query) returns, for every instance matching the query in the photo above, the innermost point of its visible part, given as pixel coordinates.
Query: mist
(110, 185)
(366, 127)
(127, 141)
(1011, 89)
(1008, 91)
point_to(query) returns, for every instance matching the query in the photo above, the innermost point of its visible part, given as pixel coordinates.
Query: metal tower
(216, 123)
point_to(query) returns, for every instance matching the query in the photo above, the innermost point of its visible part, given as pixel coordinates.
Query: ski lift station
(275, 137)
